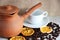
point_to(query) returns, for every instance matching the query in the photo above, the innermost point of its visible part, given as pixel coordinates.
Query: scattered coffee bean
(38, 38)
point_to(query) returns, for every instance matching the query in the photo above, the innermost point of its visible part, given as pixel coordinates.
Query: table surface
(51, 19)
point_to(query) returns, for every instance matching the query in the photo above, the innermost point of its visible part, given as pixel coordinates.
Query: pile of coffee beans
(55, 27)
(54, 34)
(56, 30)
(38, 35)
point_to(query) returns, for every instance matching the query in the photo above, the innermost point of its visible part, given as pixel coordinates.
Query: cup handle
(45, 14)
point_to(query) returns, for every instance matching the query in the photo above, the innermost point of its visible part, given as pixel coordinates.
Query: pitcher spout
(31, 10)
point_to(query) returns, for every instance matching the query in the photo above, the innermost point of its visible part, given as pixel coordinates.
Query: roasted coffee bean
(55, 28)
(50, 24)
(55, 34)
(42, 38)
(49, 36)
(59, 29)
(54, 38)
(56, 24)
(31, 38)
(37, 34)
(45, 37)
(38, 38)
(44, 34)
(50, 39)
(53, 31)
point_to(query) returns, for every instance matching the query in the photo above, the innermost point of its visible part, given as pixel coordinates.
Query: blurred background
(52, 6)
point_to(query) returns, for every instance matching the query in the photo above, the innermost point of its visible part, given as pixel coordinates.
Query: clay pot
(11, 23)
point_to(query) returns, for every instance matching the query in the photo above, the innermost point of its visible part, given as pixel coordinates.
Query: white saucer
(43, 22)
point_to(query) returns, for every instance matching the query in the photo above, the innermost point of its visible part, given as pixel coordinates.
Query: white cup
(37, 16)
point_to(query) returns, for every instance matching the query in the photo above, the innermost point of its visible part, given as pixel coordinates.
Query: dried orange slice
(46, 29)
(18, 38)
(27, 31)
